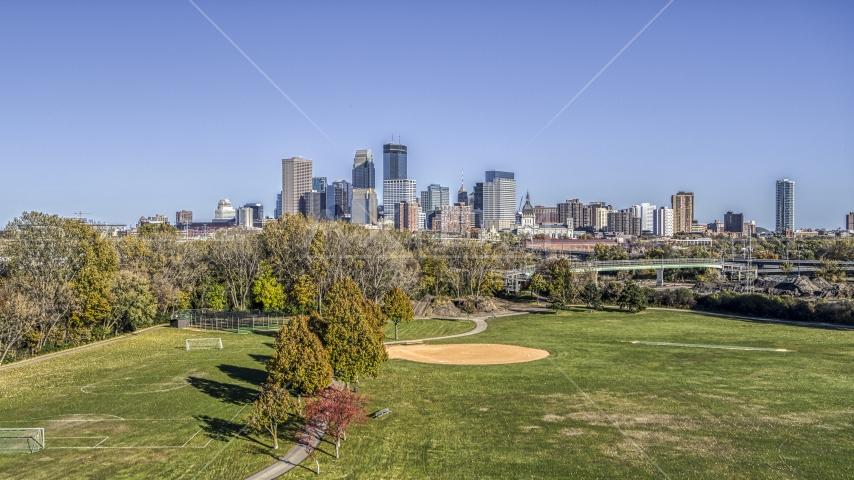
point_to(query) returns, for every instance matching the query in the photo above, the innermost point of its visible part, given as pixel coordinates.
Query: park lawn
(696, 412)
(428, 328)
(161, 411)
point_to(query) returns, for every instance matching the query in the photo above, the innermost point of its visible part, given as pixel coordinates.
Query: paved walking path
(297, 454)
(82, 347)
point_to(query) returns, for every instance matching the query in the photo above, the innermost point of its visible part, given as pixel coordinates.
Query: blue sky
(125, 109)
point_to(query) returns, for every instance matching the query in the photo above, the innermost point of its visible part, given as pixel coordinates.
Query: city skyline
(741, 95)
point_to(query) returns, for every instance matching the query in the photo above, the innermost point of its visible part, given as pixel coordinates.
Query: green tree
(134, 306)
(632, 298)
(271, 409)
(787, 268)
(830, 270)
(536, 285)
(215, 297)
(602, 251)
(592, 296)
(152, 229)
(267, 290)
(353, 340)
(561, 283)
(611, 292)
(299, 359)
(397, 307)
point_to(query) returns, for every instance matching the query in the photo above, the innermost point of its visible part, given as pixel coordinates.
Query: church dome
(528, 209)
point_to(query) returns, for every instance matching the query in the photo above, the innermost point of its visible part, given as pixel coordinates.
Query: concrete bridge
(658, 264)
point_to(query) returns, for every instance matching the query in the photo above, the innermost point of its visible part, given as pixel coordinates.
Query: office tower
(456, 219)
(662, 224)
(183, 217)
(849, 221)
(462, 194)
(733, 222)
(406, 216)
(394, 161)
(296, 181)
(311, 205)
(244, 217)
(278, 211)
(600, 217)
(257, 211)
(683, 211)
(318, 184)
(499, 200)
(477, 197)
(224, 211)
(545, 214)
(364, 175)
(343, 194)
(396, 191)
(785, 205)
(435, 197)
(363, 210)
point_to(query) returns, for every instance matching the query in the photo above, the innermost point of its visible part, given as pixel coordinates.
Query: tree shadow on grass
(226, 392)
(254, 376)
(260, 358)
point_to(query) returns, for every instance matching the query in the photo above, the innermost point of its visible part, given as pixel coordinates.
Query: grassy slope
(699, 413)
(428, 328)
(123, 380)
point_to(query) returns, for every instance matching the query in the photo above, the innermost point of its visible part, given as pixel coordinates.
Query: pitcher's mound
(466, 354)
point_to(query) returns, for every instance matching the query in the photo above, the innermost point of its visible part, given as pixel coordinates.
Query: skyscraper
(462, 194)
(849, 221)
(363, 169)
(435, 197)
(342, 195)
(785, 205)
(396, 191)
(499, 200)
(278, 210)
(296, 181)
(394, 161)
(644, 211)
(683, 211)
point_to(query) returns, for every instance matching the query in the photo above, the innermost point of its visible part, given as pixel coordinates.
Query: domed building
(528, 226)
(224, 211)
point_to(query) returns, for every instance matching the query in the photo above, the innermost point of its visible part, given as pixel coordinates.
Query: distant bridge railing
(649, 264)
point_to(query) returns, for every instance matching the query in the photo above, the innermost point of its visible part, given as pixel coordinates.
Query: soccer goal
(204, 343)
(21, 439)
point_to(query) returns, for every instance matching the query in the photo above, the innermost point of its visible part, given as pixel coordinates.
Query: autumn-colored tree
(309, 437)
(299, 359)
(337, 408)
(271, 409)
(397, 307)
(267, 290)
(352, 338)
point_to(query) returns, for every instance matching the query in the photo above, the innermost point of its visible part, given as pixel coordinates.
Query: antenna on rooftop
(80, 214)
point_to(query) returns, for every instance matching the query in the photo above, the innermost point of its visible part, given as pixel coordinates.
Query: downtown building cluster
(490, 208)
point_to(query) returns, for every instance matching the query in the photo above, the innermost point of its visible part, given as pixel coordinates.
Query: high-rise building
(257, 211)
(499, 200)
(364, 175)
(662, 222)
(311, 204)
(849, 221)
(733, 222)
(456, 219)
(644, 211)
(363, 210)
(245, 217)
(278, 211)
(785, 205)
(224, 211)
(683, 211)
(343, 196)
(624, 221)
(394, 161)
(406, 216)
(435, 197)
(545, 214)
(462, 194)
(183, 217)
(318, 184)
(396, 191)
(296, 181)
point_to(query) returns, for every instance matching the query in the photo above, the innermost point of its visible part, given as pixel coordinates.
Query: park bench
(380, 413)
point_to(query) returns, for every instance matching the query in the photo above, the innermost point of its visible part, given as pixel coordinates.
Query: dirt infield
(466, 354)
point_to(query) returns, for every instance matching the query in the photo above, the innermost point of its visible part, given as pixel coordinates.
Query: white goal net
(28, 440)
(204, 343)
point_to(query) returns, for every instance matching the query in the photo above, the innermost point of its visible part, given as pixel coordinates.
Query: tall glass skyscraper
(363, 169)
(785, 205)
(394, 161)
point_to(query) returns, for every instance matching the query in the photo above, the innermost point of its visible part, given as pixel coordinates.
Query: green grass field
(693, 412)
(428, 328)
